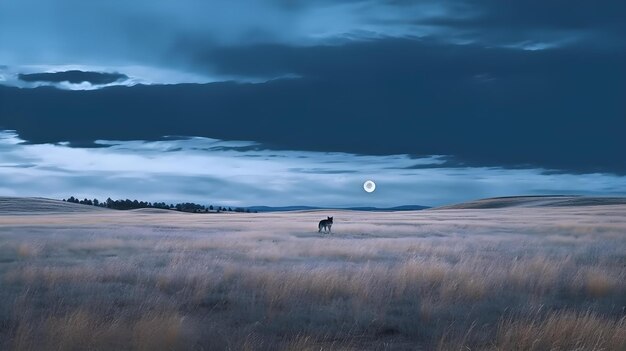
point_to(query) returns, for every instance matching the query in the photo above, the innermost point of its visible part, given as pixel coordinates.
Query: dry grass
(26, 250)
(81, 329)
(562, 331)
(454, 280)
(598, 283)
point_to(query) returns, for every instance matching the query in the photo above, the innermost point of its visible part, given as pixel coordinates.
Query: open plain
(509, 278)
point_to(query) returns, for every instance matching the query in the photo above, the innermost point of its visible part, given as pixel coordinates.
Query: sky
(276, 102)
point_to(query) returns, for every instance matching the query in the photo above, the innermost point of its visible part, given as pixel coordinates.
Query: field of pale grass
(500, 279)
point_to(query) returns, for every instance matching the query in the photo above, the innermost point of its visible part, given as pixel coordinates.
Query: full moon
(369, 186)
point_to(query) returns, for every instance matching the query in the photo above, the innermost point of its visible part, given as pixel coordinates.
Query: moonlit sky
(281, 103)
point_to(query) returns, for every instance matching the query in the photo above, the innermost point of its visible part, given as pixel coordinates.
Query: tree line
(128, 204)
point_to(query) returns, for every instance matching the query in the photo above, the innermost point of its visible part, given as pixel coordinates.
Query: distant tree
(161, 205)
(128, 204)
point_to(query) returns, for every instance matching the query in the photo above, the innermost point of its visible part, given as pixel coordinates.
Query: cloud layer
(142, 31)
(483, 106)
(244, 174)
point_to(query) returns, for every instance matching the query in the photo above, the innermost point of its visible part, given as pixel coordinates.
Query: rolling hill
(536, 201)
(33, 205)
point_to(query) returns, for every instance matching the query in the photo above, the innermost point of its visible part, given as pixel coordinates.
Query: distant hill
(312, 208)
(536, 201)
(31, 205)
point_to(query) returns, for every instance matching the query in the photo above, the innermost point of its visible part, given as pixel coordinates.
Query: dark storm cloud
(556, 14)
(558, 22)
(143, 32)
(487, 103)
(74, 77)
(554, 109)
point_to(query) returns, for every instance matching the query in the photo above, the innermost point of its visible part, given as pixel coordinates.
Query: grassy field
(499, 279)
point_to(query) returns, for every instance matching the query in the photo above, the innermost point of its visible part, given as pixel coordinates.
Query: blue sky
(439, 101)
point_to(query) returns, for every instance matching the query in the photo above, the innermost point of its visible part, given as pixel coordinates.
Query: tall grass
(449, 280)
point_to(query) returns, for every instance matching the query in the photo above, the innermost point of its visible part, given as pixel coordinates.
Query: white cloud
(242, 173)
